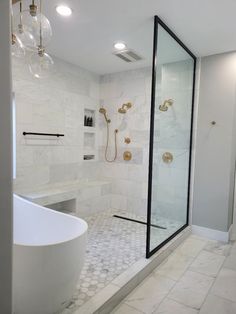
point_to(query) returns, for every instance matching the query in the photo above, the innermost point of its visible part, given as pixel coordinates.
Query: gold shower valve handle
(167, 158)
(127, 155)
(127, 140)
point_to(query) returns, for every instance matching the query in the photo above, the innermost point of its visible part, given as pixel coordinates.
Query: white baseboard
(211, 233)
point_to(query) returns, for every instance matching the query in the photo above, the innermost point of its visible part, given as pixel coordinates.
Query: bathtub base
(46, 269)
(46, 286)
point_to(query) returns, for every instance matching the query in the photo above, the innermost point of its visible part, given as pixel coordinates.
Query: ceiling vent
(128, 55)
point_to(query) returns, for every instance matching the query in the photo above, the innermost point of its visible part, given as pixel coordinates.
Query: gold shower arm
(128, 105)
(124, 107)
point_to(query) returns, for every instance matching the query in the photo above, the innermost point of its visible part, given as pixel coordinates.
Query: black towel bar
(44, 134)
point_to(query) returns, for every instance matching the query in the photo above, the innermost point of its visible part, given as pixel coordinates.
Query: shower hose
(107, 144)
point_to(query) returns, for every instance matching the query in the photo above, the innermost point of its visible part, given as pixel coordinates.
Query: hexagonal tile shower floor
(113, 246)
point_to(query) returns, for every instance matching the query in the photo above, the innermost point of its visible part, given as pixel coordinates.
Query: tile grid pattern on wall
(53, 105)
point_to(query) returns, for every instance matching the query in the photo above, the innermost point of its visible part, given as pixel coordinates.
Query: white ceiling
(86, 38)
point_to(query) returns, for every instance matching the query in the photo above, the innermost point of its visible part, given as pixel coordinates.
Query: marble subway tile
(218, 248)
(53, 105)
(192, 246)
(217, 305)
(207, 263)
(147, 296)
(125, 309)
(175, 265)
(192, 289)
(225, 285)
(169, 306)
(230, 261)
(119, 202)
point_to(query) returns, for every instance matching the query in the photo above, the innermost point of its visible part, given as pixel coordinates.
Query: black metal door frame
(157, 22)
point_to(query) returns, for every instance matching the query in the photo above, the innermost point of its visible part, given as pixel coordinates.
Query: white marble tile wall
(172, 134)
(57, 105)
(129, 178)
(129, 188)
(53, 105)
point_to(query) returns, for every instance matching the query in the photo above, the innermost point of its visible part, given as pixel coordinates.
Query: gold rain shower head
(104, 112)
(125, 107)
(164, 106)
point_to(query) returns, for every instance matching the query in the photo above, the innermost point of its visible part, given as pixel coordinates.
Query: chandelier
(31, 34)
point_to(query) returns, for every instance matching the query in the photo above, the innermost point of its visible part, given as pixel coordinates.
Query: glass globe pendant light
(17, 48)
(36, 24)
(23, 34)
(40, 63)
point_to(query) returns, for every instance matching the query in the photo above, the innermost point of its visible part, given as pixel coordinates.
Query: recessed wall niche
(89, 141)
(89, 118)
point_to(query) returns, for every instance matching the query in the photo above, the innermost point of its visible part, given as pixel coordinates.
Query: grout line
(132, 307)
(213, 282)
(187, 269)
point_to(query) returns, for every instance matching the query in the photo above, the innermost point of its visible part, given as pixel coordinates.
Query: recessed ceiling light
(63, 10)
(119, 45)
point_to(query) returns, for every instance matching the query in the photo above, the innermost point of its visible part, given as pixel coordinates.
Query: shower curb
(108, 298)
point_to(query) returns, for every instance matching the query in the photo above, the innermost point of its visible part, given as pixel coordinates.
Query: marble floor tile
(225, 285)
(194, 292)
(147, 296)
(230, 261)
(191, 289)
(216, 305)
(169, 306)
(113, 246)
(207, 263)
(218, 248)
(233, 249)
(175, 265)
(192, 246)
(125, 309)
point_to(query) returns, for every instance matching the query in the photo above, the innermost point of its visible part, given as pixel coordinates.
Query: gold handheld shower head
(164, 106)
(104, 112)
(125, 107)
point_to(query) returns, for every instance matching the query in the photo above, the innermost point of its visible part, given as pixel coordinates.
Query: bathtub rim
(82, 222)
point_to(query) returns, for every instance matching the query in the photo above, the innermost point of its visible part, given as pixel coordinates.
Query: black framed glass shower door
(170, 137)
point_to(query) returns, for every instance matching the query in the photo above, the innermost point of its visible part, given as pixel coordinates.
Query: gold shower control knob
(167, 158)
(127, 155)
(127, 140)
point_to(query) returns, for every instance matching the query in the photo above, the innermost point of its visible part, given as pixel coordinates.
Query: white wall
(5, 163)
(215, 145)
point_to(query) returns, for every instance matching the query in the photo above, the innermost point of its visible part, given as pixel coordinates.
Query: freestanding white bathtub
(49, 250)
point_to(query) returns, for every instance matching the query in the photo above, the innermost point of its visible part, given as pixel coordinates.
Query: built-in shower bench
(66, 196)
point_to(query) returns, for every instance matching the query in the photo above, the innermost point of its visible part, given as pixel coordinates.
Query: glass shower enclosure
(171, 125)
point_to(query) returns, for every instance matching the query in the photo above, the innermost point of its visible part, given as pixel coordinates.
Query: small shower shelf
(89, 114)
(89, 151)
(89, 141)
(89, 157)
(89, 129)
